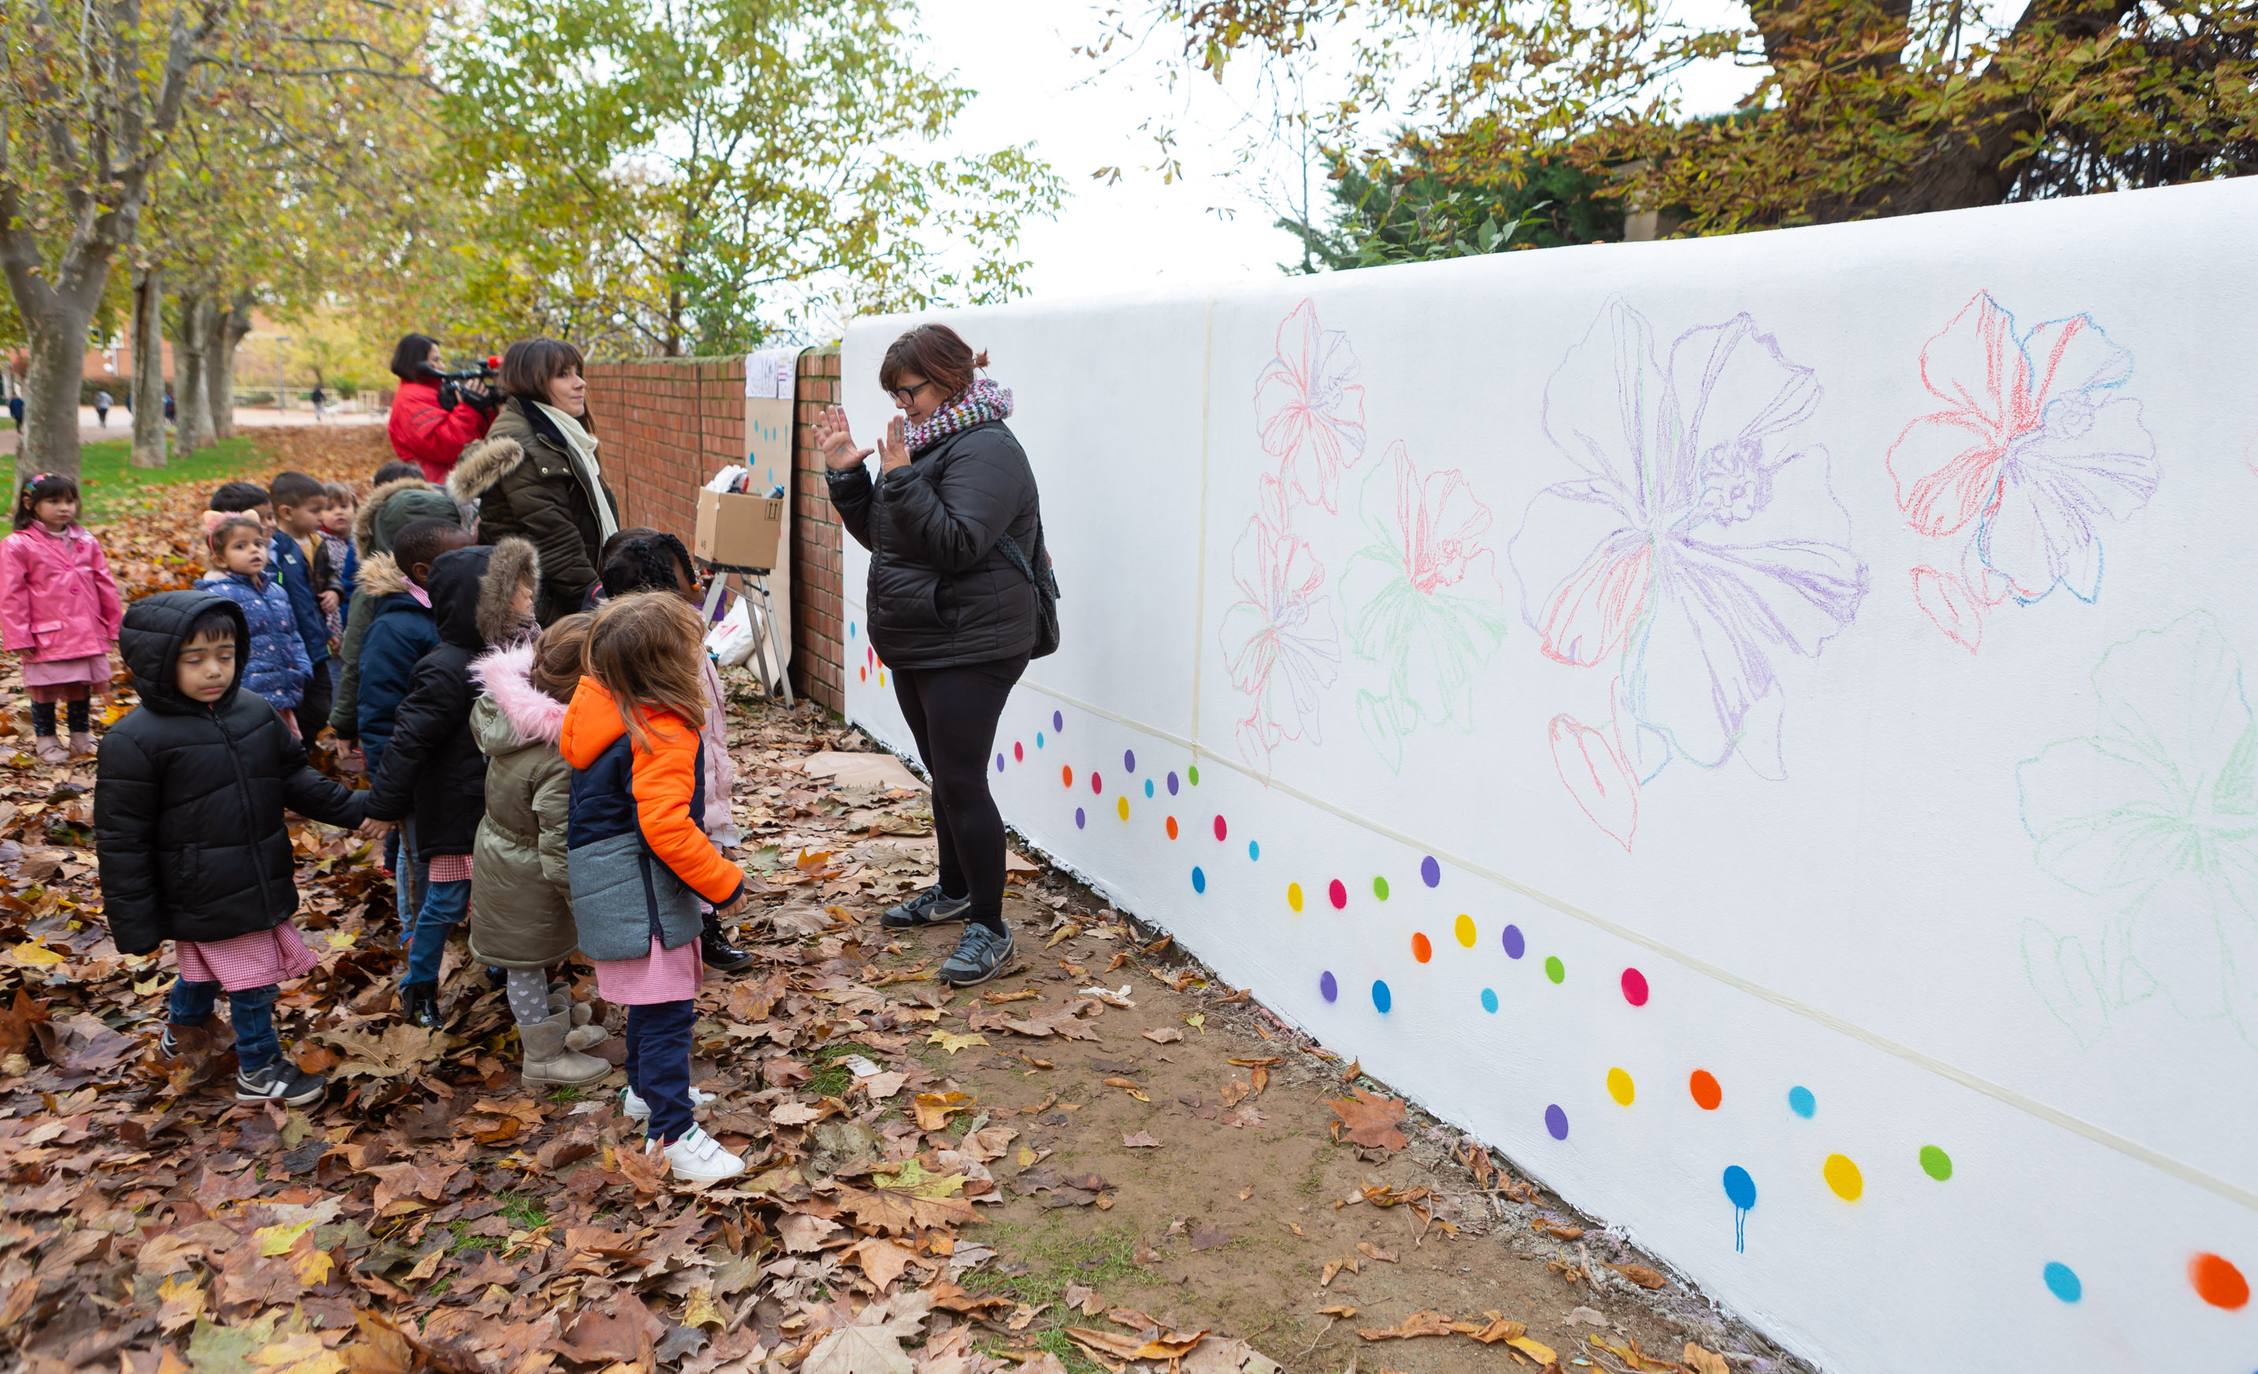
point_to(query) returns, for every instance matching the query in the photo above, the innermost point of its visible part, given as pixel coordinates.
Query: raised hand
(835, 442)
(892, 451)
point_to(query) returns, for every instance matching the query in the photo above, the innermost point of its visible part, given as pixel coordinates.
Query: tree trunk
(228, 328)
(49, 442)
(148, 381)
(190, 388)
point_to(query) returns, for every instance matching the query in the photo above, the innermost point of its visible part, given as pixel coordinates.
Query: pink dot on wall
(1220, 828)
(1340, 895)
(1097, 784)
(1018, 752)
(1634, 987)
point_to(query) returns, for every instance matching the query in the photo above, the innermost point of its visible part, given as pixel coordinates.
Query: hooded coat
(941, 592)
(275, 665)
(637, 848)
(432, 768)
(525, 483)
(399, 631)
(521, 905)
(389, 509)
(189, 798)
(57, 598)
(427, 433)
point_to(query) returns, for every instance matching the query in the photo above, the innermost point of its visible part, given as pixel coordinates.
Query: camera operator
(433, 416)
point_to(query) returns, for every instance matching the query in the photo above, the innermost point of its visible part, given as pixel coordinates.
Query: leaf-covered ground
(1103, 1161)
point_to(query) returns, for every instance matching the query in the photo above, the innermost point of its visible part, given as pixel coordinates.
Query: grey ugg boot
(585, 1033)
(549, 1061)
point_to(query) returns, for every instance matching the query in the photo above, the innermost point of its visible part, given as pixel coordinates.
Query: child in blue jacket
(278, 668)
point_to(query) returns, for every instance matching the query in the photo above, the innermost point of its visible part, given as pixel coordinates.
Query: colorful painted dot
(1463, 928)
(1080, 820)
(881, 677)
(1254, 850)
(1706, 1093)
(1019, 752)
(2062, 1281)
(1382, 999)
(2218, 1282)
(1058, 721)
(1843, 1177)
(1171, 827)
(1199, 880)
(1556, 1121)
(999, 763)
(850, 629)
(1489, 1000)
(1936, 1163)
(1038, 739)
(1740, 1189)
(1171, 784)
(1422, 948)
(1128, 760)
(1634, 987)
(1327, 988)
(1554, 969)
(1121, 807)
(1430, 872)
(1620, 1087)
(1066, 775)
(862, 674)
(1293, 897)
(1339, 894)
(1193, 773)
(1097, 783)
(1380, 888)
(1515, 945)
(1221, 830)
(1801, 1102)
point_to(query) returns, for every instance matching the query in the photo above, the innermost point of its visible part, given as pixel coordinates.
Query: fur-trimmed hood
(364, 519)
(515, 564)
(514, 714)
(482, 465)
(380, 576)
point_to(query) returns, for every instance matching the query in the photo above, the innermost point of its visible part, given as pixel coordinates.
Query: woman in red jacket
(423, 431)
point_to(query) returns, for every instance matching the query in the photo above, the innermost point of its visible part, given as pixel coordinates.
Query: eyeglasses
(907, 395)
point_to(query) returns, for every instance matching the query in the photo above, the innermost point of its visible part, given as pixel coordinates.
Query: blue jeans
(251, 1009)
(406, 880)
(443, 908)
(658, 1065)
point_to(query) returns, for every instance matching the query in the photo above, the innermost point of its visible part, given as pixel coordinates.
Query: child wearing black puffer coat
(188, 826)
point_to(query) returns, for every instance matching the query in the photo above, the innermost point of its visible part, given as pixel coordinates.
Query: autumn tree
(687, 177)
(1861, 107)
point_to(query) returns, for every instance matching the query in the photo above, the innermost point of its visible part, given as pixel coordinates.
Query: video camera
(451, 383)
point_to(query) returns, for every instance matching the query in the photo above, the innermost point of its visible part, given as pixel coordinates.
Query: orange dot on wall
(1172, 827)
(1706, 1093)
(1066, 776)
(1422, 948)
(2218, 1282)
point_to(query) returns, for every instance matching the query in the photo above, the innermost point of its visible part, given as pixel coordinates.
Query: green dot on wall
(1936, 1163)
(1554, 969)
(1380, 888)
(1193, 773)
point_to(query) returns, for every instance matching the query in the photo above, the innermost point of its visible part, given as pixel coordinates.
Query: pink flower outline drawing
(1700, 545)
(1280, 643)
(2032, 449)
(1309, 409)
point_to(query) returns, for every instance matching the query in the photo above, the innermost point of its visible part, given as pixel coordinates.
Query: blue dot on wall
(1171, 784)
(1199, 880)
(1254, 850)
(1556, 1121)
(1382, 999)
(850, 629)
(999, 763)
(1058, 721)
(1740, 1190)
(1489, 1000)
(1801, 1102)
(1128, 760)
(1327, 987)
(1148, 787)
(1080, 818)
(1515, 944)
(1430, 872)
(2062, 1281)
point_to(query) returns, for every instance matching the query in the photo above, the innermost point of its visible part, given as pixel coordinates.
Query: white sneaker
(639, 1110)
(698, 1158)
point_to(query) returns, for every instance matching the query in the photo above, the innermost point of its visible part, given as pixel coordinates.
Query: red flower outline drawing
(1309, 409)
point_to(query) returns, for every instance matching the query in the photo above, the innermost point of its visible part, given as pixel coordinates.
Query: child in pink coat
(59, 612)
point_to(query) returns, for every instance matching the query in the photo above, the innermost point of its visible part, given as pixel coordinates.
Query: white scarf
(583, 453)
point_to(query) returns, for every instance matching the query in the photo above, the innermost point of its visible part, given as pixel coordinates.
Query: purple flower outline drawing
(1280, 643)
(1699, 547)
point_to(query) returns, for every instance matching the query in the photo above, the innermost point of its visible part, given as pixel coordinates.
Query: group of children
(560, 787)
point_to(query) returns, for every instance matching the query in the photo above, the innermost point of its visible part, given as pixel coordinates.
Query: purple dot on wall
(1556, 1121)
(1080, 819)
(1171, 784)
(1058, 721)
(1515, 945)
(1430, 872)
(1097, 784)
(1128, 760)
(999, 763)
(1221, 829)
(1340, 894)
(1327, 988)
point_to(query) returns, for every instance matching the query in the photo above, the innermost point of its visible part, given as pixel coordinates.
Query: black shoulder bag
(1046, 589)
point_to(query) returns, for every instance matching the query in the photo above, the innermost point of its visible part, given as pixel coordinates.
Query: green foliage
(1412, 213)
(111, 487)
(691, 178)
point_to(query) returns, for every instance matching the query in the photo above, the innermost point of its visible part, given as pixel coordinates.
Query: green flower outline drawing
(2156, 816)
(1429, 610)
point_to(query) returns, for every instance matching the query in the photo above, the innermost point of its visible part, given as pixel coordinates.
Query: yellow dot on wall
(1620, 1087)
(1293, 897)
(1464, 929)
(1121, 807)
(1843, 1177)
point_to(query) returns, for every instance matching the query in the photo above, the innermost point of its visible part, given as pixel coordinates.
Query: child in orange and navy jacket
(639, 859)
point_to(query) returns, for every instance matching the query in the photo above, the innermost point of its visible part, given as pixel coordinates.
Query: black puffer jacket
(189, 799)
(433, 769)
(523, 479)
(941, 591)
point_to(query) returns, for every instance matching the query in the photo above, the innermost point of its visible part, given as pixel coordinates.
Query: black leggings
(953, 713)
(75, 710)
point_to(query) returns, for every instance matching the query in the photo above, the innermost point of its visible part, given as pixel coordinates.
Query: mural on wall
(1698, 550)
(1803, 1000)
(2034, 450)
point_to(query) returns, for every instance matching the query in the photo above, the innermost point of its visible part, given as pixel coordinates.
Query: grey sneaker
(282, 1082)
(928, 908)
(980, 956)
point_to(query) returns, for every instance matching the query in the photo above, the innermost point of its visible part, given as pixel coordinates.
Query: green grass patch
(565, 1094)
(111, 486)
(1054, 1256)
(524, 1212)
(832, 1077)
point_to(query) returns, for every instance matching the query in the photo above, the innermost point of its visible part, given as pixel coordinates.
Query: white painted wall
(1828, 646)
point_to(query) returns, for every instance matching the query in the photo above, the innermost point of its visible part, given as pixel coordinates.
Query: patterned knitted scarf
(975, 405)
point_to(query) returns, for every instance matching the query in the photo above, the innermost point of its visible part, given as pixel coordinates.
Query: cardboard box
(737, 530)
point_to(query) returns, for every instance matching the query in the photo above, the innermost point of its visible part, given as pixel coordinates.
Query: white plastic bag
(730, 641)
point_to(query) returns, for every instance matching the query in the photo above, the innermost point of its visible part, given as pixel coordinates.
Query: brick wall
(668, 424)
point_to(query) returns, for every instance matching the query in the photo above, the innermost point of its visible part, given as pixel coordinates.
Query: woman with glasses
(952, 523)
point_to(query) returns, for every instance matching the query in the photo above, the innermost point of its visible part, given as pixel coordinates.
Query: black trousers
(953, 714)
(313, 708)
